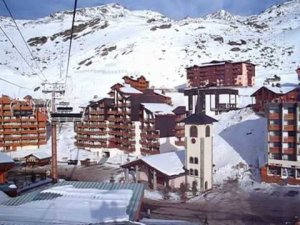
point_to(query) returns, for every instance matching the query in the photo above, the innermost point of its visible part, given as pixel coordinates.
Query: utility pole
(53, 88)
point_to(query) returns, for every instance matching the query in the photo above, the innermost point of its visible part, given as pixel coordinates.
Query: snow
(4, 158)
(147, 221)
(40, 155)
(73, 206)
(159, 108)
(3, 197)
(129, 90)
(172, 166)
(283, 89)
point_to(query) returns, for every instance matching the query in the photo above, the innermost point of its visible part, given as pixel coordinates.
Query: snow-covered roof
(5, 158)
(282, 89)
(171, 163)
(40, 155)
(83, 202)
(127, 89)
(159, 108)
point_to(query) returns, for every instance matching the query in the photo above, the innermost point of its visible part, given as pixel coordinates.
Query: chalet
(221, 73)
(37, 159)
(266, 94)
(21, 124)
(159, 171)
(140, 83)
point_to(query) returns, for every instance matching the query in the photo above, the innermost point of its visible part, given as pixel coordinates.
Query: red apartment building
(283, 144)
(21, 124)
(116, 121)
(265, 95)
(221, 73)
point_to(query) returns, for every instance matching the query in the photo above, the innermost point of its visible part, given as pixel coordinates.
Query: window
(191, 160)
(196, 161)
(191, 172)
(193, 131)
(196, 172)
(207, 131)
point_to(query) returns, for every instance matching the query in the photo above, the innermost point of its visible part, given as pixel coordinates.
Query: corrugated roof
(5, 158)
(134, 204)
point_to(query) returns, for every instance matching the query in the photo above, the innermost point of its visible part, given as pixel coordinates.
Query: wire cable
(71, 38)
(19, 86)
(15, 47)
(6, 6)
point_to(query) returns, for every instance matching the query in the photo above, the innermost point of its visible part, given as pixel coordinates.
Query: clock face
(193, 140)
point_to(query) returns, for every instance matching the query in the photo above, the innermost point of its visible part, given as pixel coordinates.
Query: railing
(289, 139)
(289, 116)
(275, 150)
(288, 150)
(274, 116)
(274, 127)
(289, 127)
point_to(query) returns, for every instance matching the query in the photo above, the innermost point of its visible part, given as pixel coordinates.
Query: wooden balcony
(274, 127)
(128, 141)
(128, 134)
(150, 144)
(275, 150)
(111, 112)
(93, 125)
(179, 134)
(91, 132)
(127, 148)
(274, 116)
(115, 119)
(84, 145)
(150, 135)
(289, 116)
(289, 151)
(289, 139)
(148, 128)
(115, 132)
(179, 127)
(180, 143)
(96, 119)
(289, 128)
(146, 151)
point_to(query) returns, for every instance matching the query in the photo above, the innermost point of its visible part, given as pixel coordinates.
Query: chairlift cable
(33, 58)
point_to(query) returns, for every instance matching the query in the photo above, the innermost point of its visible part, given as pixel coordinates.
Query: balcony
(180, 134)
(288, 151)
(289, 139)
(111, 112)
(150, 144)
(274, 116)
(147, 151)
(274, 149)
(91, 132)
(92, 126)
(96, 119)
(289, 128)
(274, 127)
(127, 148)
(179, 127)
(150, 135)
(128, 142)
(115, 119)
(289, 116)
(115, 132)
(180, 143)
(96, 112)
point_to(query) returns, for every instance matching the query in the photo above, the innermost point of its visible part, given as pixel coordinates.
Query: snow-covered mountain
(111, 41)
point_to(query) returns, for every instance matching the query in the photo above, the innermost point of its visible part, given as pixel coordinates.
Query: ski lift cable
(71, 38)
(17, 85)
(15, 47)
(33, 58)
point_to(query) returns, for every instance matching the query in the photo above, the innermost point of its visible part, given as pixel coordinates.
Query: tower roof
(199, 119)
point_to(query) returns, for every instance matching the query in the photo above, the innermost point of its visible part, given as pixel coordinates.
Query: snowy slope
(111, 41)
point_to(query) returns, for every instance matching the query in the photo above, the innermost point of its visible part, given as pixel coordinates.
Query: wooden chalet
(37, 159)
(139, 83)
(266, 94)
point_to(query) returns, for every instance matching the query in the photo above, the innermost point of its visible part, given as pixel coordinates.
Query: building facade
(265, 95)
(199, 151)
(221, 73)
(21, 124)
(139, 83)
(127, 121)
(283, 144)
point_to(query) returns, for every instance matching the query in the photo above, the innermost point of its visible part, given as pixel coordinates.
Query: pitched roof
(39, 155)
(283, 89)
(180, 110)
(5, 158)
(199, 119)
(159, 108)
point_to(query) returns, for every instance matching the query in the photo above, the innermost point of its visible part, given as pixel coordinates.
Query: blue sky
(175, 9)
